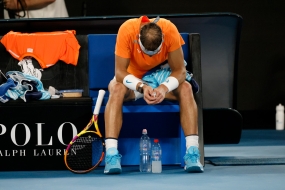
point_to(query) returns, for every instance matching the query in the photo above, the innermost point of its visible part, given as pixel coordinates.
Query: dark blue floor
(254, 143)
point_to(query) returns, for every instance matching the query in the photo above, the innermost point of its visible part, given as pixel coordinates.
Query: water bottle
(156, 166)
(145, 151)
(279, 117)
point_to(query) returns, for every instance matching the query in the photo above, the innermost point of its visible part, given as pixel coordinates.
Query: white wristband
(171, 83)
(131, 82)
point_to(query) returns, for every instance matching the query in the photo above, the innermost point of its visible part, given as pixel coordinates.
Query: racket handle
(99, 102)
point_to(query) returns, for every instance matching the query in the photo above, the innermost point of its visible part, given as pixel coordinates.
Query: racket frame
(93, 120)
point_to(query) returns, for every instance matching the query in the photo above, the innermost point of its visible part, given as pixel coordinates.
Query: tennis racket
(86, 150)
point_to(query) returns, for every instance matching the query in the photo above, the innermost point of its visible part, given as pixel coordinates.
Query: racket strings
(85, 152)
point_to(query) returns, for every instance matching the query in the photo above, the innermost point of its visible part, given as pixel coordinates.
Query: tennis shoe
(113, 162)
(192, 160)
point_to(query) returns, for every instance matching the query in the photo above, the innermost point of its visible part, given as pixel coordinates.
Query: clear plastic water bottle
(280, 117)
(156, 166)
(145, 151)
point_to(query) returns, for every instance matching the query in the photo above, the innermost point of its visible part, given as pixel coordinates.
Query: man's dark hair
(151, 36)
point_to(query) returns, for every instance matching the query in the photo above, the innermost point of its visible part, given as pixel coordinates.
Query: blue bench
(164, 124)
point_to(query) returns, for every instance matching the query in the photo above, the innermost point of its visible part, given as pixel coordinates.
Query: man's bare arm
(178, 71)
(28, 4)
(176, 63)
(121, 66)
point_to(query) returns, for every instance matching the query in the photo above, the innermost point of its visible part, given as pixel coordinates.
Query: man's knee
(116, 88)
(185, 89)
(120, 91)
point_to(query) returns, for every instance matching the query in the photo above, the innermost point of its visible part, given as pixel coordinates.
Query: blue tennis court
(253, 144)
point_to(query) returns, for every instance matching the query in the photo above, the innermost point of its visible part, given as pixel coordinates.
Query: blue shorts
(158, 75)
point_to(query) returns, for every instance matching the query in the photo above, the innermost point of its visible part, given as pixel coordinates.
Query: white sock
(192, 140)
(111, 143)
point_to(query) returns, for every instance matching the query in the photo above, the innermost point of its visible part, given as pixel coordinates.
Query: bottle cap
(156, 140)
(144, 131)
(280, 107)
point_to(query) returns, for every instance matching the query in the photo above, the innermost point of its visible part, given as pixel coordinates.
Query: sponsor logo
(128, 81)
(34, 142)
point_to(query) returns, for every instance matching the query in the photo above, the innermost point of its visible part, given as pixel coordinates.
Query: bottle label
(156, 155)
(144, 147)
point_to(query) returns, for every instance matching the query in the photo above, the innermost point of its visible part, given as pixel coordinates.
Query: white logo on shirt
(30, 50)
(139, 50)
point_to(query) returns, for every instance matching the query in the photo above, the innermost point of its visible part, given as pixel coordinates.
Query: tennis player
(142, 45)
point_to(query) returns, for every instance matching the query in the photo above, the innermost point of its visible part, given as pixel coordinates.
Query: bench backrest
(101, 58)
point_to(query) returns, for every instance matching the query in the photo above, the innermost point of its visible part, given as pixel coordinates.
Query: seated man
(142, 44)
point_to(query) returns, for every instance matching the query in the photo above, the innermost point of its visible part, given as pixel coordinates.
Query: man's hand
(11, 4)
(154, 96)
(148, 94)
